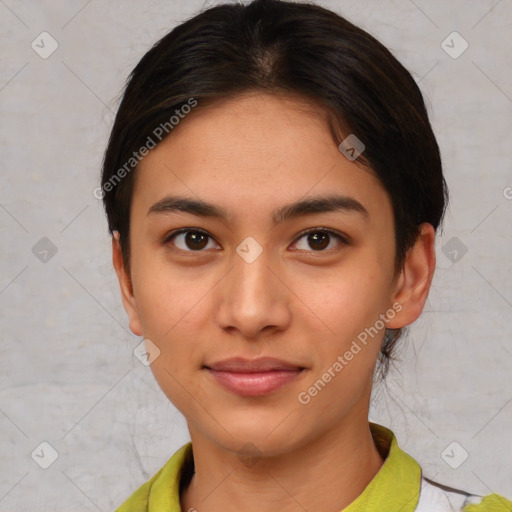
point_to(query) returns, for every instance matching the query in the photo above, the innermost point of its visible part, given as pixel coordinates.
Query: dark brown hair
(283, 47)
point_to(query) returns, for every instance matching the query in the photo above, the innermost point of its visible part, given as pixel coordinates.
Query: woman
(273, 189)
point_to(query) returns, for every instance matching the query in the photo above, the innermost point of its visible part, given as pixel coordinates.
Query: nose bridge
(251, 281)
(250, 272)
(252, 299)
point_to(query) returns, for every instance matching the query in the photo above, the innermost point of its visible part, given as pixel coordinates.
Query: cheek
(346, 352)
(167, 296)
(173, 304)
(346, 300)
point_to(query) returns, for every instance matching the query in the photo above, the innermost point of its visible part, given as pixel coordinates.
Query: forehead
(254, 151)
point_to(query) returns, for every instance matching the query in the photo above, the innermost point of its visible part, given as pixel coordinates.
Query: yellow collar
(395, 487)
(397, 484)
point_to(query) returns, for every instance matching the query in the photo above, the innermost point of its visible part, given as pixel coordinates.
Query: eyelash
(341, 238)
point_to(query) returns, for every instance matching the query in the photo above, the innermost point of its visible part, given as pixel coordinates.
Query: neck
(327, 474)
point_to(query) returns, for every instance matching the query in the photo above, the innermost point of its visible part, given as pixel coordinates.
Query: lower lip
(254, 384)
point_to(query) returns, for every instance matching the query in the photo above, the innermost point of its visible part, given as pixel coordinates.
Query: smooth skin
(301, 300)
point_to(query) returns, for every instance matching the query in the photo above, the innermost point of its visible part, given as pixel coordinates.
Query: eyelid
(179, 231)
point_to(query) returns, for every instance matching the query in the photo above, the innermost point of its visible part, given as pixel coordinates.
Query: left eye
(319, 240)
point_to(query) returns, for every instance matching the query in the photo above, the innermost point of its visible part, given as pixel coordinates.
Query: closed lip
(258, 365)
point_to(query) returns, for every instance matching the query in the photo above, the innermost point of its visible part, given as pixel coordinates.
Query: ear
(413, 284)
(125, 285)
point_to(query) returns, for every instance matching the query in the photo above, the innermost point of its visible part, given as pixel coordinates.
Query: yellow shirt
(397, 487)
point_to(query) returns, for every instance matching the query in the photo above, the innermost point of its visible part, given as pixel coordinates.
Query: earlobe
(413, 285)
(125, 285)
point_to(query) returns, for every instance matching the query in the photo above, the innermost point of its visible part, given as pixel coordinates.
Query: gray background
(68, 375)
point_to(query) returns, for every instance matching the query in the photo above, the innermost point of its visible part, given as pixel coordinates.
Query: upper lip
(261, 364)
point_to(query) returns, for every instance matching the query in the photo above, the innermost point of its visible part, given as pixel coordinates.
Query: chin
(253, 434)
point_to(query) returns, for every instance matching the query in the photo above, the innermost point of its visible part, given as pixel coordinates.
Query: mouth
(255, 377)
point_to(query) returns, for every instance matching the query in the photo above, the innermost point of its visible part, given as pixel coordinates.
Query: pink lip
(254, 377)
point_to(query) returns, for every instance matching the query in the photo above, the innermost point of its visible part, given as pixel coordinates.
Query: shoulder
(401, 480)
(138, 501)
(435, 497)
(162, 492)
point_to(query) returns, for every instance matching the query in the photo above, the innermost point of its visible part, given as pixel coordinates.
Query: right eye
(189, 240)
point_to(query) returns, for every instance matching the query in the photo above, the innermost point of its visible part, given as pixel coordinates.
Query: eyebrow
(301, 208)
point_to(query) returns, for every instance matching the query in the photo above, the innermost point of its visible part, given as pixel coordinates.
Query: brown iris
(318, 240)
(196, 240)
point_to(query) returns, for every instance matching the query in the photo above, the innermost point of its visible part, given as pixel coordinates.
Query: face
(250, 296)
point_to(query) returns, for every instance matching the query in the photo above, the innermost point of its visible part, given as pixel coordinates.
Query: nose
(253, 298)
